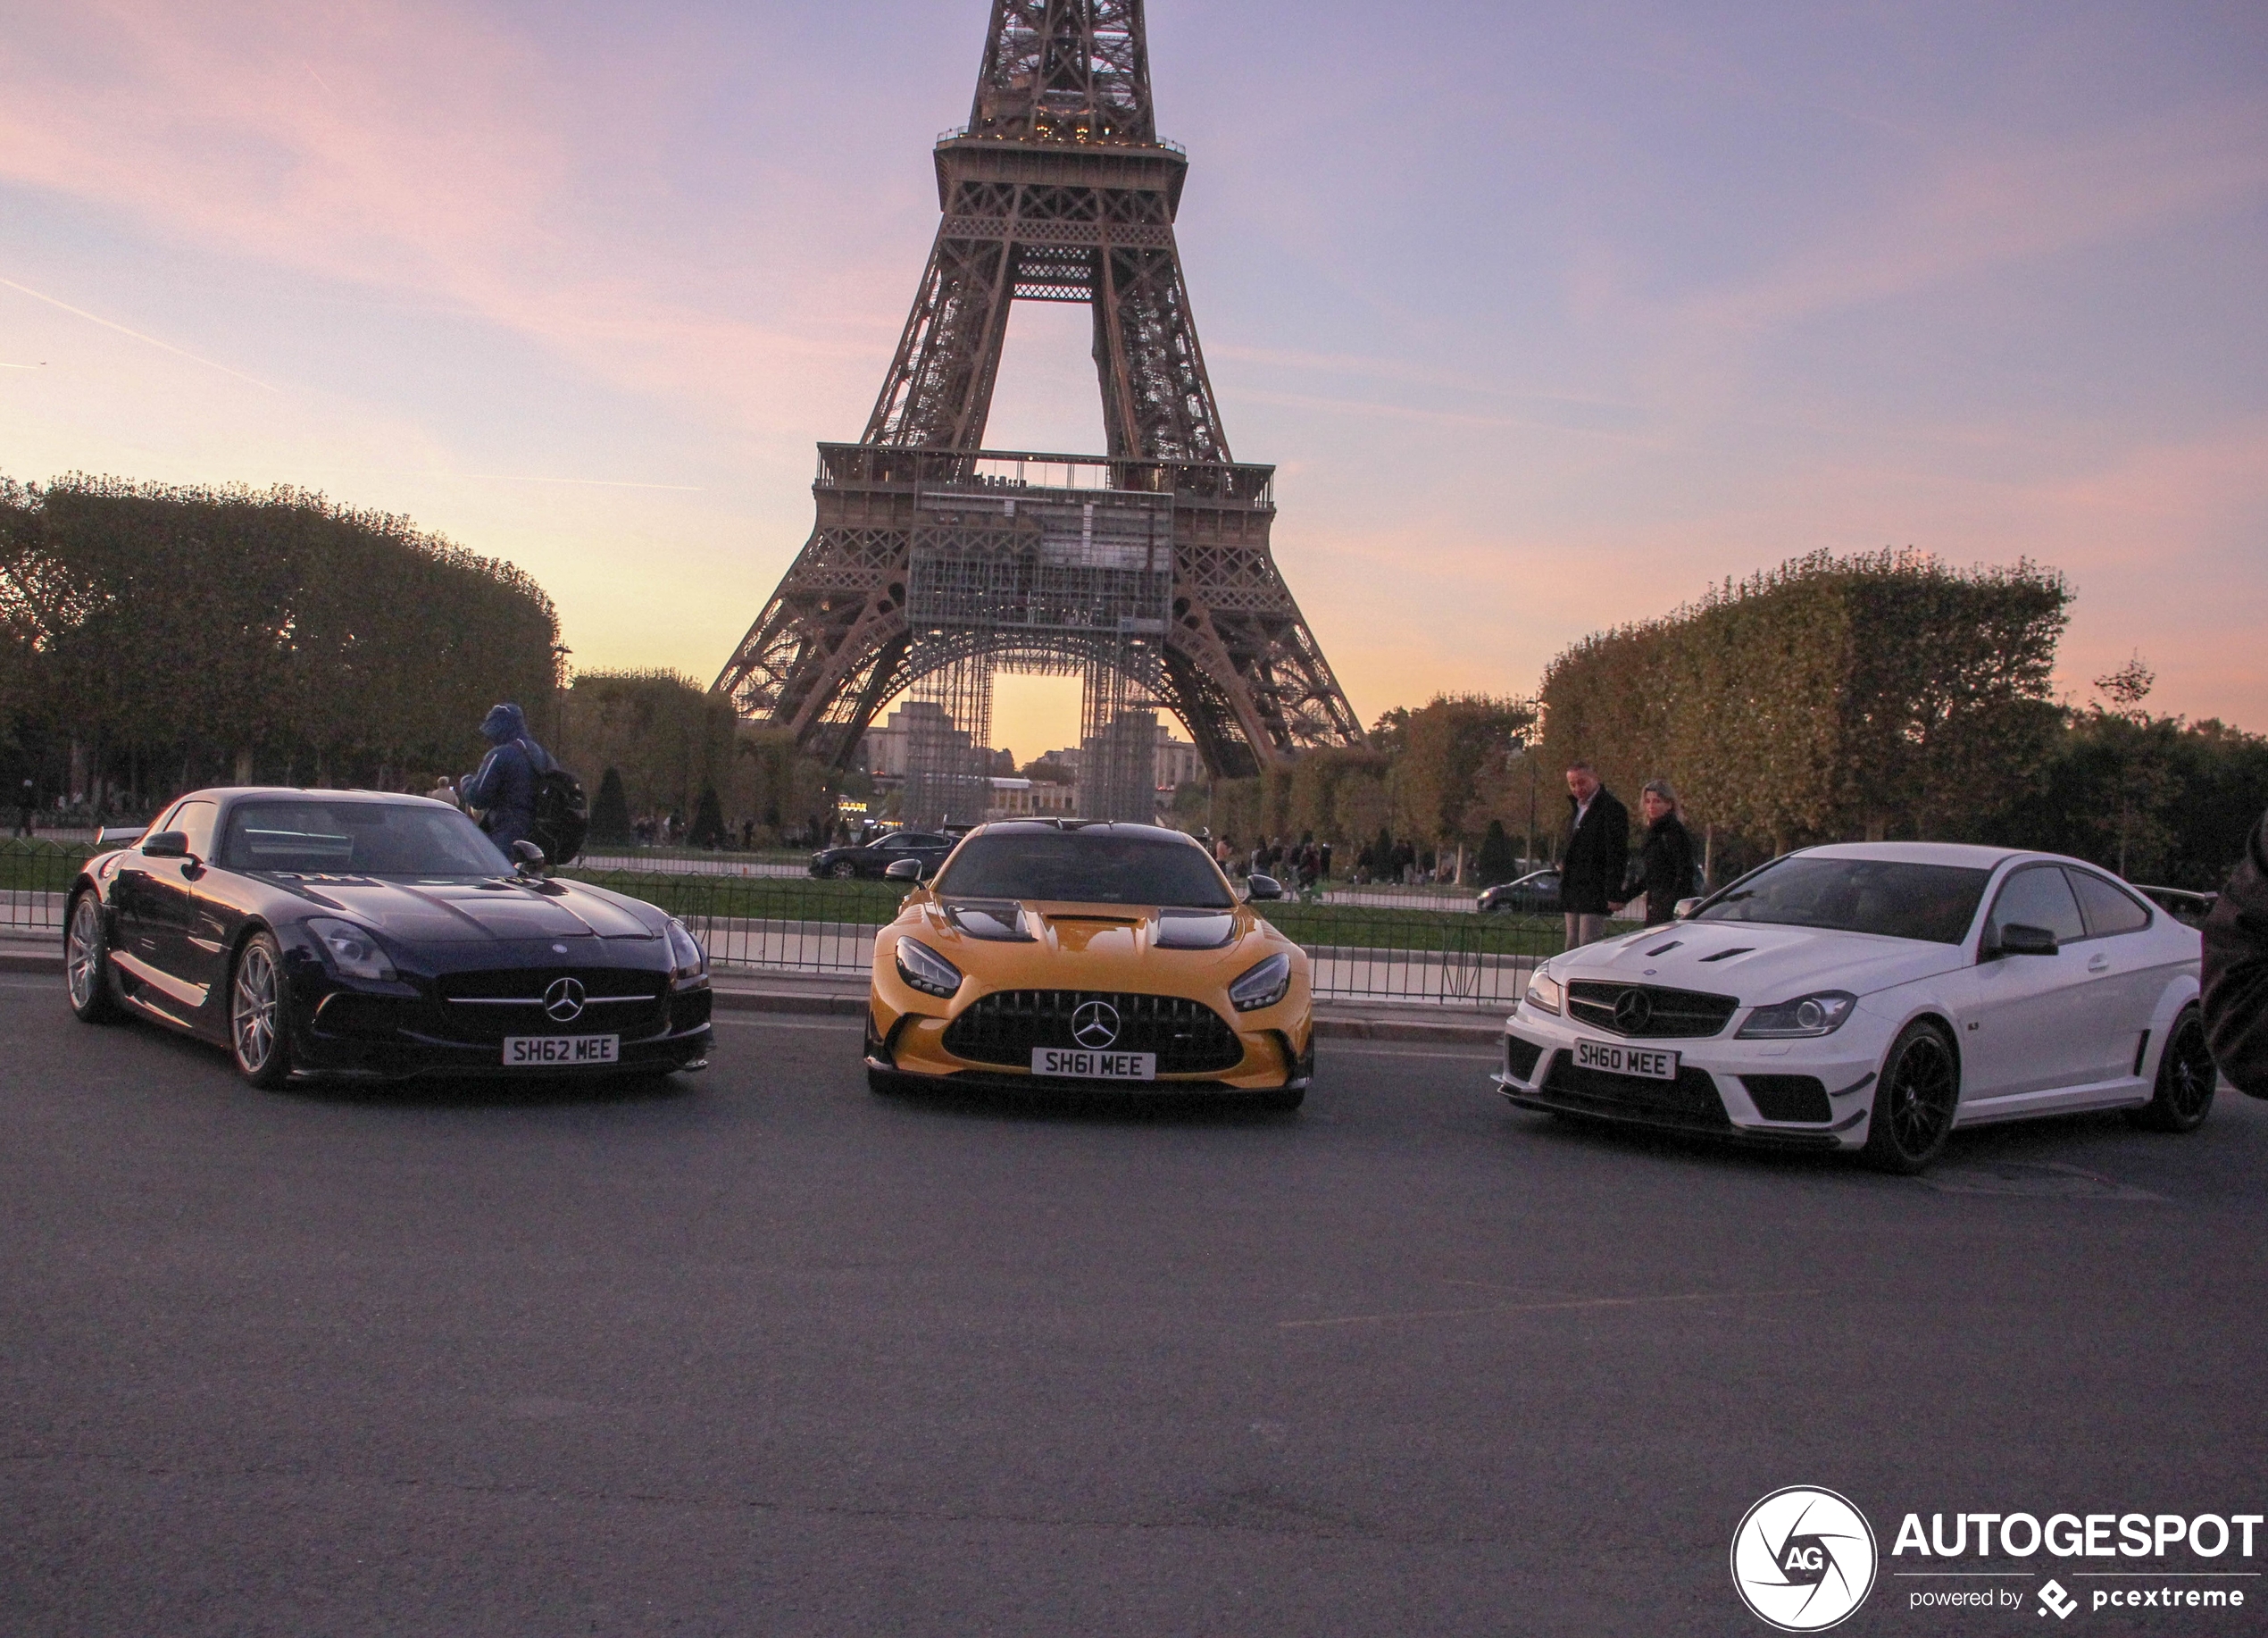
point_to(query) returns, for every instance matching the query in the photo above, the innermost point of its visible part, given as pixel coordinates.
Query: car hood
(468, 912)
(1098, 947)
(1757, 962)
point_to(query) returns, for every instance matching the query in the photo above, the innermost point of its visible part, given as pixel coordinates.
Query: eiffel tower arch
(1145, 570)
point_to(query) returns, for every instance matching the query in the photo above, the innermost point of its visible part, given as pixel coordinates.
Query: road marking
(1533, 1308)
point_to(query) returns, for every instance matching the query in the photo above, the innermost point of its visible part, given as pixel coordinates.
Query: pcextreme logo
(1803, 1558)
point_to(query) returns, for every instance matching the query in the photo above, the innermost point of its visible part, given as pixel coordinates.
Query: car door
(130, 893)
(2028, 1034)
(177, 941)
(2124, 970)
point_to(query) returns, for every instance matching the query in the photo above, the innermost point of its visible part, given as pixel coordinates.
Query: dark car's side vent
(1520, 1057)
(1188, 1037)
(1648, 1011)
(1789, 1097)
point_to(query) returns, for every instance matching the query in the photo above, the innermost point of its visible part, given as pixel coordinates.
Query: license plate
(1094, 1065)
(1646, 1063)
(567, 1050)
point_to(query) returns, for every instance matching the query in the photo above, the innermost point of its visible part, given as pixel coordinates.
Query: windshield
(1074, 868)
(311, 837)
(1935, 903)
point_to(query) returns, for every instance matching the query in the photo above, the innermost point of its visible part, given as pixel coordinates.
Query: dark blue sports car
(332, 933)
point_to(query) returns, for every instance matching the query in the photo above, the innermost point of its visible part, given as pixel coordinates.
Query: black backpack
(562, 819)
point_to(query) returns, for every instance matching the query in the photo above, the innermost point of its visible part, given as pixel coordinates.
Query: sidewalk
(846, 997)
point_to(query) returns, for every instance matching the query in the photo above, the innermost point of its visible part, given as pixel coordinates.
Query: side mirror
(2018, 940)
(527, 858)
(167, 845)
(1685, 908)
(902, 870)
(1263, 886)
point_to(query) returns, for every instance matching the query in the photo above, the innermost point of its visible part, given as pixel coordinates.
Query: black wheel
(1914, 1104)
(87, 961)
(2186, 1078)
(258, 1007)
(842, 870)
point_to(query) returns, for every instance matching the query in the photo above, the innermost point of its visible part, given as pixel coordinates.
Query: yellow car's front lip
(1097, 950)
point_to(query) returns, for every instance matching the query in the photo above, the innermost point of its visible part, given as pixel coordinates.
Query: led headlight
(1543, 991)
(1804, 1016)
(351, 950)
(927, 971)
(1262, 986)
(688, 962)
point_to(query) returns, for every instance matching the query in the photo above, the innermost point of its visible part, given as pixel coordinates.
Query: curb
(1332, 1023)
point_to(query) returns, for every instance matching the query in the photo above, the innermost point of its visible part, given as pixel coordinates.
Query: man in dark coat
(1597, 854)
(2236, 971)
(504, 787)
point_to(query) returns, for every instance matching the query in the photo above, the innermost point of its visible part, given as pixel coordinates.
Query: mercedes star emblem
(563, 1000)
(1094, 1025)
(1633, 1011)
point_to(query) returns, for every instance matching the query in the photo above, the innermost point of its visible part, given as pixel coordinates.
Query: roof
(230, 793)
(1074, 827)
(1957, 853)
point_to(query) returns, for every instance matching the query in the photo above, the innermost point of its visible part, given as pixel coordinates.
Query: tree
(708, 820)
(1455, 759)
(1500, 861)
(610, 812)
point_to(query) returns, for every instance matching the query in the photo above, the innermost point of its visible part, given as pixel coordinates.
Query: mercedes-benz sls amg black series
(351, 934)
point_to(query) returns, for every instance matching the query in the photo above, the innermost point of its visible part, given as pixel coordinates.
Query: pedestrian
(1662, 872)
(444, 791)
(1597, 854)
(2235, 975)
(503, 788)
(28, 807)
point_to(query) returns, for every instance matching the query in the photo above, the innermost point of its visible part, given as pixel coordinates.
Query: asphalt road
(766, 1354)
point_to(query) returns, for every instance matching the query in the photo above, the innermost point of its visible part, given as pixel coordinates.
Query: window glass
(2039, 897)
(194, 820)
(2108, 910)
(1898, 901)
(309, 837)
(1072, 867)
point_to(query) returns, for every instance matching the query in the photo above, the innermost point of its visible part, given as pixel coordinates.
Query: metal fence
(796, 924)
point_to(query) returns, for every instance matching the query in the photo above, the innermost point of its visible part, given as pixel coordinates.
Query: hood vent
(1726, 955)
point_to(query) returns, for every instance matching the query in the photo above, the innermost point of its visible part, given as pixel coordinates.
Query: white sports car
(1874, 996)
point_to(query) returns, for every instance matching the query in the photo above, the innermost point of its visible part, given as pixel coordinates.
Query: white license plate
(567, 1050)
(1095, 1066)
(1646, 1063)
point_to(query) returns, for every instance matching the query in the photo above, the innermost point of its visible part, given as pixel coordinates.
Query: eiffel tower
(1145, 570)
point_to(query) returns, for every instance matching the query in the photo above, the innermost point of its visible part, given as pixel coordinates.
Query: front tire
(1915, 1101)
(842, 870)
(87, 961)
(2186, 1078)
(258, 1011)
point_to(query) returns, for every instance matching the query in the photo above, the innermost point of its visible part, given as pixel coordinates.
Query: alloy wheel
(83, 953)
(253, 1009)
(2191, 1070)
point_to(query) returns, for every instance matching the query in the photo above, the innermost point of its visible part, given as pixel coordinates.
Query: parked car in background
(348, 934)
(1873, 996)
(871, 859)
(1537, 893)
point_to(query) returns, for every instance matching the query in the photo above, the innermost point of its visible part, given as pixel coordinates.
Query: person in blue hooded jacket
(504, 787)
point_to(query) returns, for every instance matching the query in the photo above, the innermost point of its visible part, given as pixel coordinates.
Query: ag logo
(1095, 1024)
(1803, 1558)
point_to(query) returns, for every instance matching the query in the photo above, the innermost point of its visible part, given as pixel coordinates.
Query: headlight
(1543, 991)
(1264, 986)
(1806, 1015)
(927, 971)
(349, 949)
(688, 962)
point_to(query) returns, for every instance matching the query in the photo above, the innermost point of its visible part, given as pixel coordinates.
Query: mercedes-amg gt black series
(351, 933)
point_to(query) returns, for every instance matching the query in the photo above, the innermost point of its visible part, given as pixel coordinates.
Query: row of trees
(153, 637)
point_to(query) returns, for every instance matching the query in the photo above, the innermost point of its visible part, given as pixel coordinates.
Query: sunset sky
(1549, 316)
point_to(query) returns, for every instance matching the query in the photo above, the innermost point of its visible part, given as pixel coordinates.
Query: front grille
(1188, 1037)
(1689, 1101)
(1520, 1057)
(1665, 1015)
(528, 983)
(485, 1007)
(1789, 1097)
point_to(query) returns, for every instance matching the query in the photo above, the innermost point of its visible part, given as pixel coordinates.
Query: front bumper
(1815, 1094)
(906, 1038)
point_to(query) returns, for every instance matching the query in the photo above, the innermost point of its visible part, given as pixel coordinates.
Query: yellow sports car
(1060, 954)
